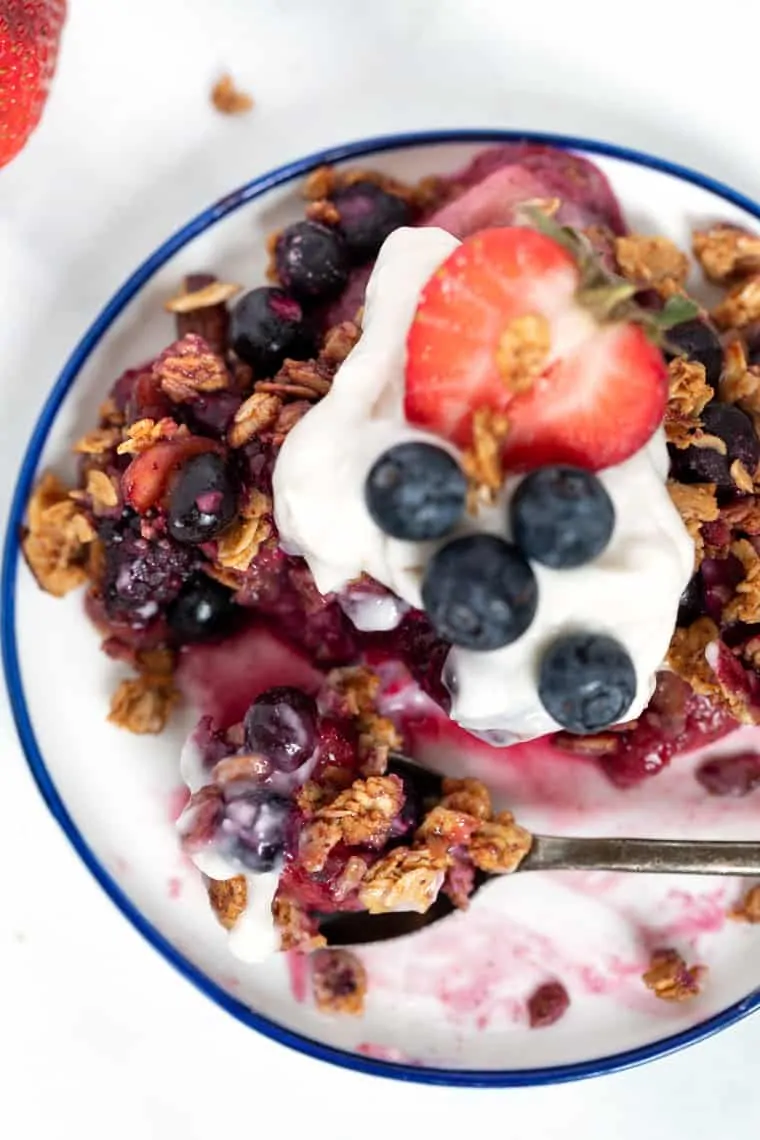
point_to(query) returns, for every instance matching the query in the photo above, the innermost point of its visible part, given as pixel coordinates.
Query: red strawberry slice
(601, 392)
(147, 477)
(30, 31)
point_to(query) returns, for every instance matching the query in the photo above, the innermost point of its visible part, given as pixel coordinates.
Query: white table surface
(100, 1038)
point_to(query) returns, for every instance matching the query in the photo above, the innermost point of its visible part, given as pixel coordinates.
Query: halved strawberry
(599, 390)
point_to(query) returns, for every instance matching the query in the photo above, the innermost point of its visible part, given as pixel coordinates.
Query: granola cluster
(670, 979)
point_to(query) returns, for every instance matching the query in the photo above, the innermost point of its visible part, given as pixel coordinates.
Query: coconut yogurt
(630, 592)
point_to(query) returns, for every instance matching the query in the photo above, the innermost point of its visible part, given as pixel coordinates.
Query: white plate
(446, 1005)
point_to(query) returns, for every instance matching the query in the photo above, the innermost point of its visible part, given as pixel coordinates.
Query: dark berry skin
(281, 724)
(562, 517)
(311, 260)
(586, 682)
(203, 609)
(416, 491)
(266, 326)
(705, 464)
(692, 601)
(202, 501)
(141, 575)
(367, 215)
(697, 340)
(479, 592)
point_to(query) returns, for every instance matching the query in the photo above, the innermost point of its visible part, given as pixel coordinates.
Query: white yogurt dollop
(630, 592)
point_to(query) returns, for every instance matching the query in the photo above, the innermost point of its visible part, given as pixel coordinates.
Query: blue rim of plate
(227, 205)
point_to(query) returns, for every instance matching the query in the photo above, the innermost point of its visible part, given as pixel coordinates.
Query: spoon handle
(696, 857)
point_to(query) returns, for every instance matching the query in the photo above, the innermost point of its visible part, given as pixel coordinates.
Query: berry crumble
(472, 434)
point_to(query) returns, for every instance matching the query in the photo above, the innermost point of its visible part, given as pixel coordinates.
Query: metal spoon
(552, 853)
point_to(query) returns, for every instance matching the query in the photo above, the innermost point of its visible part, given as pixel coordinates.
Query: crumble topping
(143, 704)
(522, 351)
(240, 543)
(354, 690)
(256, 414)
(229, 99)
(324, 211)
(726, 252)
(467, 795)
(325, 180)
(482, 462)
(189, 301)
(748, 909)
(696, 503)
(143, 434)
(670, 979)
(101, 490)
(651, 260)
(188, 367)
(339, 982)
(687, 656)
(741, 477)
(298, 930)
(689, 390)
(407, 878)
(109, 414)
(228, 898)
(745, 604)
(740, 382)
(741, 305)
(499, 845)
(312, 379)
(360, 816)
(57, 539)
(98, 442)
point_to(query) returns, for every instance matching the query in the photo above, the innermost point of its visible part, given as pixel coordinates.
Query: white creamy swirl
(630, 592)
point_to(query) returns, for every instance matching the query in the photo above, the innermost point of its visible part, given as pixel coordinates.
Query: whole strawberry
(30, 31)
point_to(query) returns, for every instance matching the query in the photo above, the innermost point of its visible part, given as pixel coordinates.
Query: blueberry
(311, 260)
(202, 501)
(692, 602)
(266, 326)
(415, 491)
(255, 830)
(562, 517)
(705, 464)
(697, 340)
(202, 609)
(367, 215)
(586, 682)
(479, 592)
(281, 724)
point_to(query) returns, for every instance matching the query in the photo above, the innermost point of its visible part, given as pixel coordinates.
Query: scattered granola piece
(360, 816)
(651, 260)
(670, 979)
(745, 604)
(142, 434)
(547, 1004)
(143, 705)
(748, 908)
(188, 367)
(229, 99)
(726, 252)
(228, 898)
(256, 414)
(302, 378)
(109, 414)
(740, 306)
(338, 342)
(468, 795)
(56, 541)
(407, 878)
(98, 442)
(740, 382)
(298, 930)
(324, 211)
(689, 390)
(499, 845)
(215, 293)
(687, 656)
(522, 351)
(350, 877)
(102, 490)
(353, 692)
(321, 183)
(287, 418)
(696, 503)
(339, 982)
(741, 477)
(237, 547)
(482, 462)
